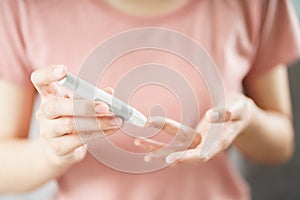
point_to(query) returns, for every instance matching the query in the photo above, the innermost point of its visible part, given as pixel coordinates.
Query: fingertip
(36, 77)
(212, 116)
(80, 153)
(109, 90)
(137, 142)
(43, 76)
(147, 158)
(216, 116)
(171, 158)
(101, 108)
(202, 156)
(59, 71)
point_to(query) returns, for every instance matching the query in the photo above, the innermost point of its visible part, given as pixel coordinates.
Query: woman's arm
(26, 164)
(269, 137)
(23, 165)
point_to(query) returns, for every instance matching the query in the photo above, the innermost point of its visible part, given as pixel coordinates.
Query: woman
(250, 41)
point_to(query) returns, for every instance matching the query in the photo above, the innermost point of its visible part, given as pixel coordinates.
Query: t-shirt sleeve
(279, 37)
(14, 65)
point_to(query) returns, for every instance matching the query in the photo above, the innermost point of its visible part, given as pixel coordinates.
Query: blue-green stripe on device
(116, 106)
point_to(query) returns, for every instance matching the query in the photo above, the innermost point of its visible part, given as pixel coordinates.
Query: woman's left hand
(215, 133)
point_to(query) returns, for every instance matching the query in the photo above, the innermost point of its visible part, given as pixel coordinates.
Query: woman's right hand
(60, 125)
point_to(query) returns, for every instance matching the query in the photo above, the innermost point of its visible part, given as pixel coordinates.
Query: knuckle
(65, 145)
(90, 136)
(45, 131)
(50, 108)
(106, 124)
(103, 123)
(38, 115)
(44, 134)
(109, 132)
(83, 107)
(66, 125)
(250, 102)
(58, 149)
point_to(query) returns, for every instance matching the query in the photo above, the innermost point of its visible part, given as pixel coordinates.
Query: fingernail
(137, 142)
(101, 109)
(172, 158)
(213, 116)
(147, 158)
(117, 121)
(58, 70)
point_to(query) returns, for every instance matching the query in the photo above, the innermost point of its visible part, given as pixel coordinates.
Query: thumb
(232, 112)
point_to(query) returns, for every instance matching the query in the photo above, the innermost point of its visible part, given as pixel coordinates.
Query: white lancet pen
(116, 106)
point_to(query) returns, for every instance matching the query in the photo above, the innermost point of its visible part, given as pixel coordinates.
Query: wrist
(250, 117)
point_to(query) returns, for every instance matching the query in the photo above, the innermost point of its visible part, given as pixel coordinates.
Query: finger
(159, 150)
(165, 124)
(98, 124)
(188, 156)
(236, 110)
(196, 141)
(57, 107)
(152, 157)
(218, 115)
(233, 112)
(181, 132)
(161, 154)
(79, 154)
(72, 157)
(44, 76)
(210, 146)
(109, 90)
(67, 125)
(90, 136)
(149, 144)
(66, 144)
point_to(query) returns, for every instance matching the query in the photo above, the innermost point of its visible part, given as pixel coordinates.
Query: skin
(58, 146)
(259, 124)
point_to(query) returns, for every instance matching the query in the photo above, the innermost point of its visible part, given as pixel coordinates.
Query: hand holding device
(56, 119)
(116, 106)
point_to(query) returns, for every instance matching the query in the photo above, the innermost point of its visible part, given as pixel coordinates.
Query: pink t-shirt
(242, 37)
